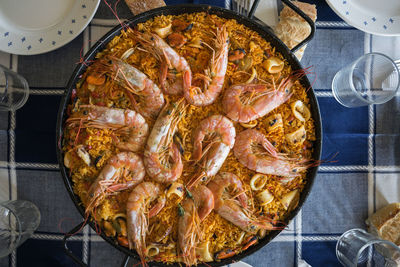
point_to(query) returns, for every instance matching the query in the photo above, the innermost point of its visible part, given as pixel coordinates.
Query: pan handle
(67, 250)
(300, 13)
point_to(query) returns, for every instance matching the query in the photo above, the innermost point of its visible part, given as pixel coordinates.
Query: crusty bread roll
(385, 223)
(140, 6)
(292, 29)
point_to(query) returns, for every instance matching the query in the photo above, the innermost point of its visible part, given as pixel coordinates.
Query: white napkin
(387, 45)
(267, 11)
(303, 263)
(387, 184)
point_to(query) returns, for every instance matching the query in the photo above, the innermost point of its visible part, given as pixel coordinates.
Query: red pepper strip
(225, 254)
(250, 241)
(123, 241)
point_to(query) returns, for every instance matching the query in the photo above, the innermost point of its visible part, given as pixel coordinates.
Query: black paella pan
(264, 32)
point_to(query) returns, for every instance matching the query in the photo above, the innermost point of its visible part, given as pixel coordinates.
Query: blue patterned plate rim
(26, 41)
(371, 16)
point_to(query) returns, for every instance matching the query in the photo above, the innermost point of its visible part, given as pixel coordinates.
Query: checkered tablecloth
(364, 178)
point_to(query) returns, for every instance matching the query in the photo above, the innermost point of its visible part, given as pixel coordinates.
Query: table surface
(343, 195)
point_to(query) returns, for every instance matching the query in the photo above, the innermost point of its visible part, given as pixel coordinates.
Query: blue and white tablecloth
(364, 178)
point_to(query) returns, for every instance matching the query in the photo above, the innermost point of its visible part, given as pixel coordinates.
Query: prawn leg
(219, 132)
(206, 95)
(135, 82)
(247, 102)
(269, 161)
(161, 156)
(224, 188)
(122, 172)
(137, 219)
(170, 59)
(196, 209)
(129, 123)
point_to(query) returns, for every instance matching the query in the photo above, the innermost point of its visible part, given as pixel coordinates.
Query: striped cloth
(364, 178)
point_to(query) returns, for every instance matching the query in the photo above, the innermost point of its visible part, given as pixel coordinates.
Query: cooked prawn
(247, 102)
(218, 133)
(254, 151)
(149, 100)
(175, 73)
(214, 76)
(131, 126)
(195, 209)
(231, 203)
(162, 157)
(121, 172)
(138, 214)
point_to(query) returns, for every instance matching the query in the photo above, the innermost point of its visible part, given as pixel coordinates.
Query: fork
(242, 6)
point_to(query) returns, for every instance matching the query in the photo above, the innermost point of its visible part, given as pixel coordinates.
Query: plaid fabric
(365, 177)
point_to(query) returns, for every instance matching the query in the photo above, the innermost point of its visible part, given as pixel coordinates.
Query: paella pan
(189, 136)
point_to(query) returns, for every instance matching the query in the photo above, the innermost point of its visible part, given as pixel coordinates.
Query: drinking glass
(371, 79)
(18, 220)
(356, 248)
(14, 90)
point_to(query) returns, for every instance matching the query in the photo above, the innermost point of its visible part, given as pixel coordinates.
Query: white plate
(29, 27)
(381, 17)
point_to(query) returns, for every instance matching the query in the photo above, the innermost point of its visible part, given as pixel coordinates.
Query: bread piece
(140, 6)
(308, 9)
(292, 29)
(385, 223)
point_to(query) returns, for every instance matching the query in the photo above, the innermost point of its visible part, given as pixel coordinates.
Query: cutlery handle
(300, 13)
(253, 9)
(126, 262)
(69, 251)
